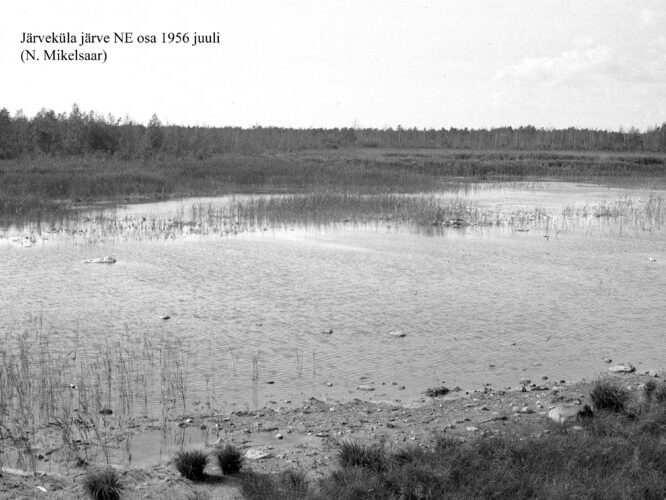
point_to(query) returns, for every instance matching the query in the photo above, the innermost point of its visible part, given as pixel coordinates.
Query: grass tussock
(609, 394)
(229, 458)
(287, 485)
(191, 464)
(103, 484)
(353, 454)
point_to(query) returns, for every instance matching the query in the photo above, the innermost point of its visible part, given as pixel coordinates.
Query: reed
(427, 212)
(77, 404)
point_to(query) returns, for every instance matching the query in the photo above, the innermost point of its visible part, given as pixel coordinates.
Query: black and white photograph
(354, 249)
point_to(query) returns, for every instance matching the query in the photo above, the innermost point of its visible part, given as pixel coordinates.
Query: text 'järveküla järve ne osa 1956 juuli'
(42, 44)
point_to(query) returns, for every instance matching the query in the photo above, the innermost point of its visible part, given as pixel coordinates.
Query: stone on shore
(255, 454)
(622, 368)
(568, 412)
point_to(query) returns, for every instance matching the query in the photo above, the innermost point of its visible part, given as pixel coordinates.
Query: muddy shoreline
(306, 436)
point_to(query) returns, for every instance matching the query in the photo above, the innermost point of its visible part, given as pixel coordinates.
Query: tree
(155, 134)
(7, 141)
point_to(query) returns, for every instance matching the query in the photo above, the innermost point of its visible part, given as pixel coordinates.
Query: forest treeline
(84, 133)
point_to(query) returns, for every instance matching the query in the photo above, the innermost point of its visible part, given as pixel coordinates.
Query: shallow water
(247, 312)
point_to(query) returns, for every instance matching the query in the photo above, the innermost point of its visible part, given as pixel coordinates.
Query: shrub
(608, 394)
(229, 459)
(191, 464)
(103, 484)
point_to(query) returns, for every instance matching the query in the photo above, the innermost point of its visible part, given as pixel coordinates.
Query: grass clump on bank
(191, 464)
(229, 458)
(609, 394)
(353, 454)
(103, 484)
(559, 465)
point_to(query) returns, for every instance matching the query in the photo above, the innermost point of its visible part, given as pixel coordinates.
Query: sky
(349, 63)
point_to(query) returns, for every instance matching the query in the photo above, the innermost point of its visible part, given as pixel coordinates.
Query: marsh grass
(43, 185)
(77, 405)
(103, 484)
(428, 213)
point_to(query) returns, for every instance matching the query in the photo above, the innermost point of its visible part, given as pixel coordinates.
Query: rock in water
(622, 368)
(437, 391)
(567, 412)
(100, 260)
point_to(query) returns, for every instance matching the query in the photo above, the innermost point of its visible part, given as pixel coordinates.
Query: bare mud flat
(305, 436)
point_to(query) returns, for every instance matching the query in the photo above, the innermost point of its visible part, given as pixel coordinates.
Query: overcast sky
(433, 64)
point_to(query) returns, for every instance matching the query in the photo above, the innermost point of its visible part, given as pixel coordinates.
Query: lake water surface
(248, 311)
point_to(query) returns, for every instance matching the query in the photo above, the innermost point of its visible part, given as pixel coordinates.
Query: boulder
(622, 368)
(365, 388)
(567, 412)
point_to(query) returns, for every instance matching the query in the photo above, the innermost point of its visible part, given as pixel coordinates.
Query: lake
(554, 279)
